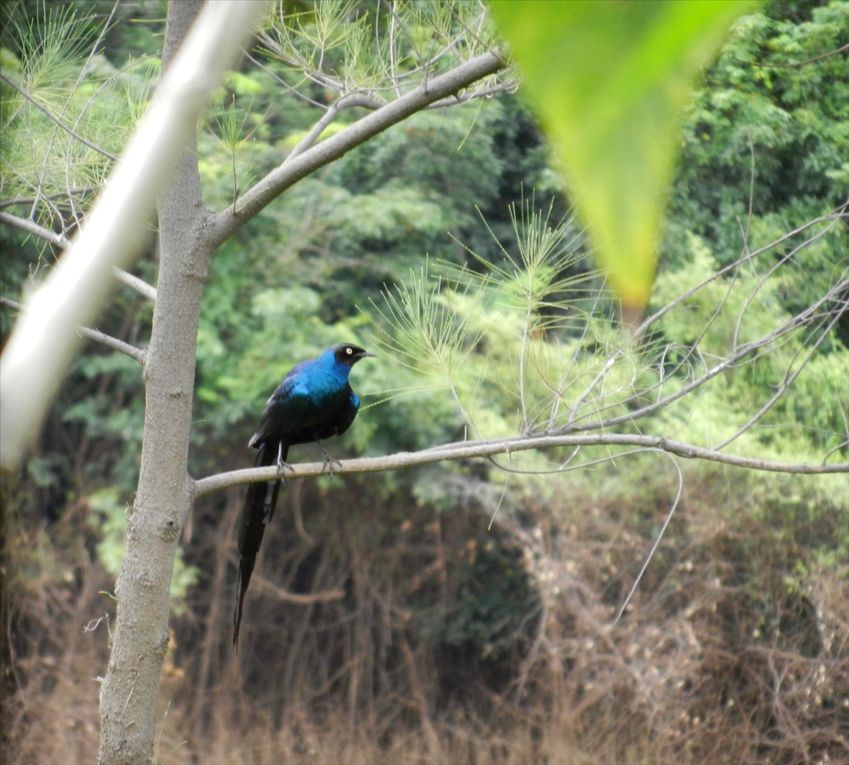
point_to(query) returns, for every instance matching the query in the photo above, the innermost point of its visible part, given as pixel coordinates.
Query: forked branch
(228, 221)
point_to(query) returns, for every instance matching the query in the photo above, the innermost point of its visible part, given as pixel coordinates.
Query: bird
(312, 403)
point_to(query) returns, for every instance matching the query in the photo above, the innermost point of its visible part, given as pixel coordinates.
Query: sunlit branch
(133, 282)
(474, 449)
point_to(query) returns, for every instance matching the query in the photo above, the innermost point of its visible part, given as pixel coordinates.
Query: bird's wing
(283, 410)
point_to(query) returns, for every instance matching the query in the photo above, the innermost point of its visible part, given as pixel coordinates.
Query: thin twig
(67, 194)
(133, 282)
(796, 64)
(733, 360)
(654, 546)
(31, 227)
(346, 102)
(114, 343)
(833, 217)
(789, 379)
(60, 240)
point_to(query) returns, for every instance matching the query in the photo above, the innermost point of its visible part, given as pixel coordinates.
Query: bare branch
(93, 334)
(287, 596)
(133, 282)
(31, 227)
(114, 343)
(789, 378)
(461, 98)
(797, 64)
(656, 543)
(347, 101)
(67, 194)
(471, 449)
(833, 217)
(227, 222)
(739, 354)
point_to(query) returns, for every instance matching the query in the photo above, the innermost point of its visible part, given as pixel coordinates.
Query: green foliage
(609, 82)
(53, 58)
(496, 608)
(373, 46)
(768, 130)
(427, 334)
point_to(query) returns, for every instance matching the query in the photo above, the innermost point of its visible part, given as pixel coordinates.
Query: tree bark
(129, 691)
(189, 235)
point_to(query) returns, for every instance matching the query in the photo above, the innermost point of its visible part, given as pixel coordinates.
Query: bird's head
(348, 354)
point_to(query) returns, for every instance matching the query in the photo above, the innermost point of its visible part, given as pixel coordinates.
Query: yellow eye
(349, 351)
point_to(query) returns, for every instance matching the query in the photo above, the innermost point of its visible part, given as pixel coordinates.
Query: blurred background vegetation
(459, 612)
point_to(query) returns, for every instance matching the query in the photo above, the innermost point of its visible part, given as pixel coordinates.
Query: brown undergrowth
(377, 634)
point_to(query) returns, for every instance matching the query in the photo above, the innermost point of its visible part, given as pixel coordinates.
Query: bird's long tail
(260, 502)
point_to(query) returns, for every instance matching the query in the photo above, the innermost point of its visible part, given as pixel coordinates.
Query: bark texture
(129, 691)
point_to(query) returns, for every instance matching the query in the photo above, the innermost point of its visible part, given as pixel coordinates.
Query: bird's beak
(367, 354)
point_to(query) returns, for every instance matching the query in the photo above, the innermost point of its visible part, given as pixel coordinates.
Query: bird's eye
(349, 351)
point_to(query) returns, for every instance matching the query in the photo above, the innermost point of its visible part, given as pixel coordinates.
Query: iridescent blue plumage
(313, 402)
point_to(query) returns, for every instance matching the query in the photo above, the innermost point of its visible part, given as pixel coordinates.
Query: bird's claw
(329, 462)
(282, 467)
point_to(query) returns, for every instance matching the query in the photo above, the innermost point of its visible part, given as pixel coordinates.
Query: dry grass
(732, 653)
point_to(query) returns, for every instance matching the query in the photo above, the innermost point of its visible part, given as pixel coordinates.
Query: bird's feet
(329, 461)
(282, 467)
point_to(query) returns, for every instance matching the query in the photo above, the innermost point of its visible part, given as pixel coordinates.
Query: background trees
(466, 609)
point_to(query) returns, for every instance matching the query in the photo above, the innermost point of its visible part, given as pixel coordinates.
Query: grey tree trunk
(129, 692)
(188, 237)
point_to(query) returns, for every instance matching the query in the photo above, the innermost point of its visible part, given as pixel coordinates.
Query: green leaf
(609, 80)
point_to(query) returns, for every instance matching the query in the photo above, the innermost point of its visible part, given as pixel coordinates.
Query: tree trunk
(188, 237)
(129, 692)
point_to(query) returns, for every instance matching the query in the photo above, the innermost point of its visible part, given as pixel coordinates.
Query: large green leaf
(608, 79)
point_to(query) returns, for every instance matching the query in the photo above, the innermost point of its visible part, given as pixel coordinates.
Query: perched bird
(313, 402)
